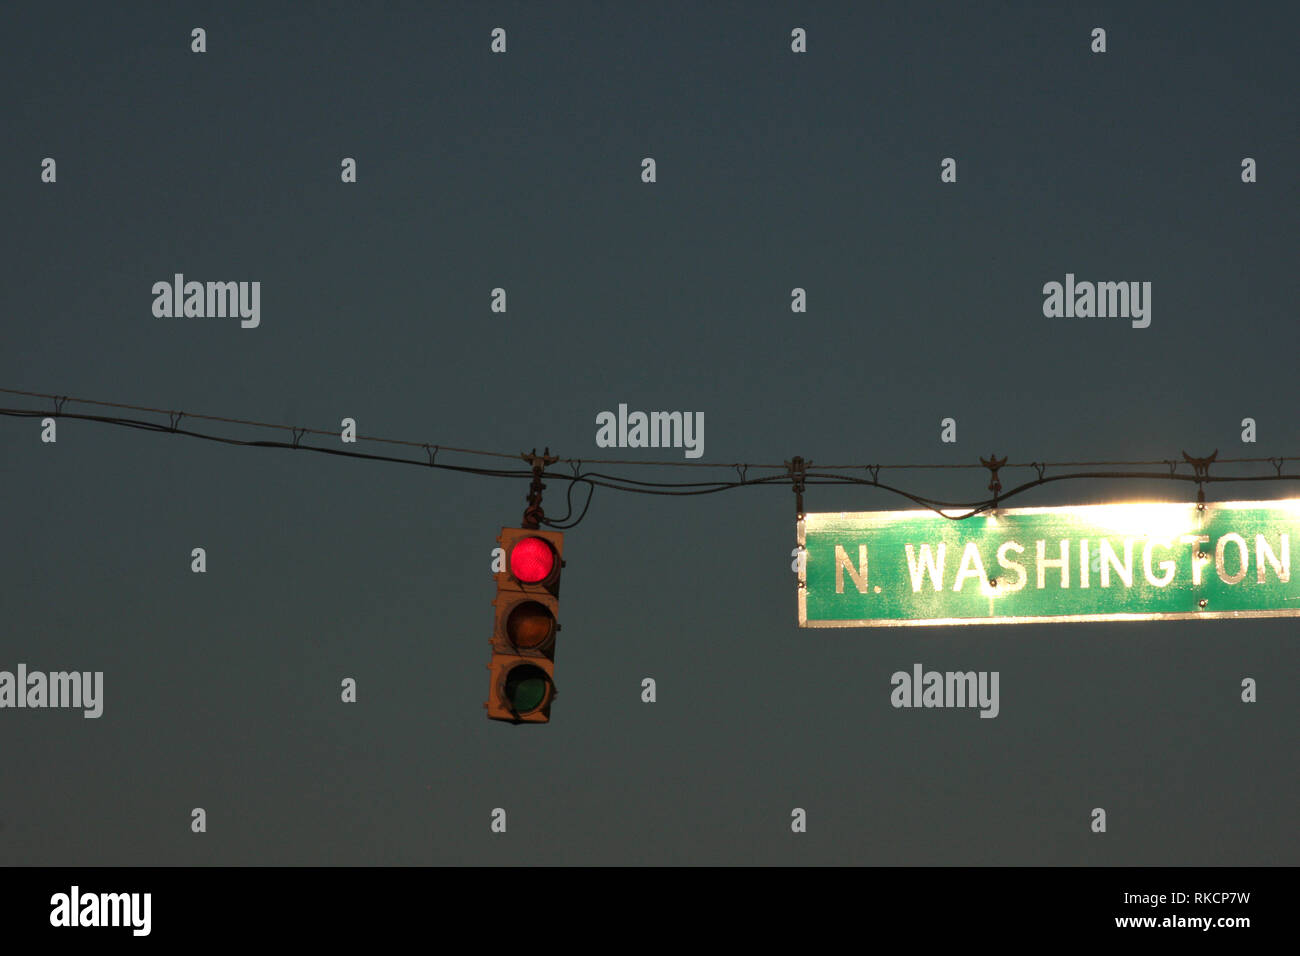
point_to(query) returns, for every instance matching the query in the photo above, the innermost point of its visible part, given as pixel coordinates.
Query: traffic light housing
(525, 624)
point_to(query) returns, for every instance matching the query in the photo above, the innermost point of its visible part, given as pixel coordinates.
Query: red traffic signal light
(532, 560)
(522, 682)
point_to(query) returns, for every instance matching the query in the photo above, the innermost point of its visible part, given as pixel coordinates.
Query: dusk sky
(775, 170)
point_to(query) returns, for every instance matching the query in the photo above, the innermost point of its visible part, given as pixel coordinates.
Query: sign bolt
(1203, 602)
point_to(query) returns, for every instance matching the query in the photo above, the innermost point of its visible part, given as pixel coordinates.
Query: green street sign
(1124, 562)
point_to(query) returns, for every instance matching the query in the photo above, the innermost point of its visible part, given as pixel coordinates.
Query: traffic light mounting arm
(533, 514)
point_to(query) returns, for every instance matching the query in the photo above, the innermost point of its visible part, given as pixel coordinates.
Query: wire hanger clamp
(533, 514)
(1201, 467)
(993, 463)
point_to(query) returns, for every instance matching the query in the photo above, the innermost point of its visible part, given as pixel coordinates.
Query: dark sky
(775, 170)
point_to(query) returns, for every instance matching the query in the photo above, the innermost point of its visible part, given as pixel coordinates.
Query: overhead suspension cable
(798, 472)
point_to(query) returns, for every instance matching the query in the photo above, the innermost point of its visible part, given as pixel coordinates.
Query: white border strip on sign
(1065, 618)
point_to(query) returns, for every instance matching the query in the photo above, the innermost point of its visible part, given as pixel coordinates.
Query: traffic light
(522, 683)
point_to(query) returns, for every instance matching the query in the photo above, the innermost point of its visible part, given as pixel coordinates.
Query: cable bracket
(533, 514)
(993, 463)
(797, 469)
(1201, 466)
